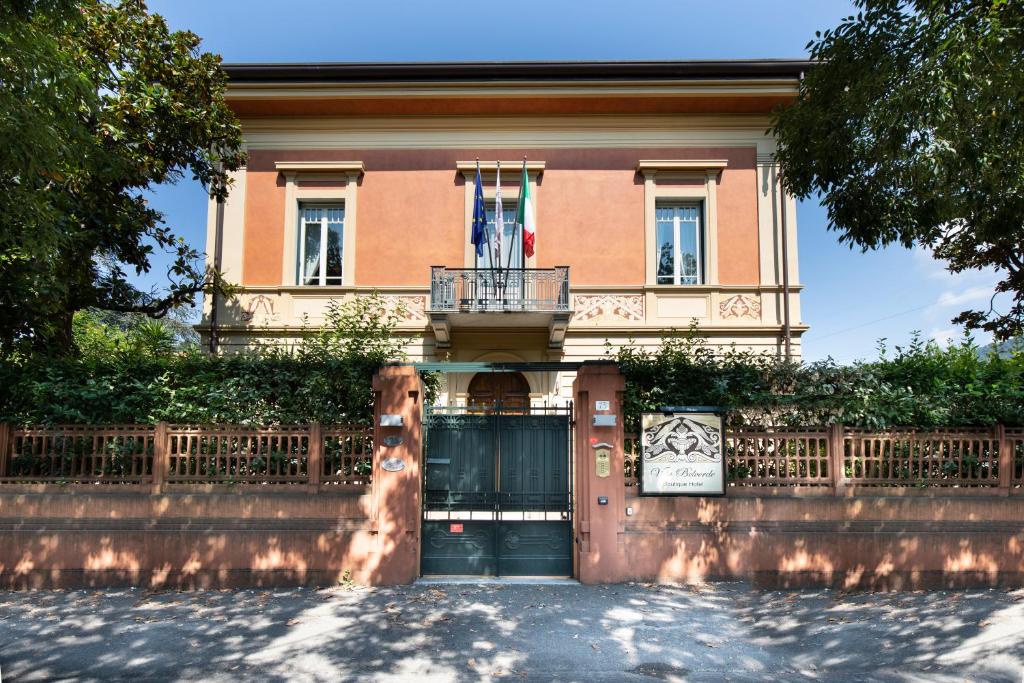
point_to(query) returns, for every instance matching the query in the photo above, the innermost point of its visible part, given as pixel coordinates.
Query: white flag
(499, 221)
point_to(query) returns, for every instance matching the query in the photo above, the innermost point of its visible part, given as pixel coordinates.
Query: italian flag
(525, 216)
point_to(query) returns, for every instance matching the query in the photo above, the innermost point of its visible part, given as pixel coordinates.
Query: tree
(98, 102)
(911, 127)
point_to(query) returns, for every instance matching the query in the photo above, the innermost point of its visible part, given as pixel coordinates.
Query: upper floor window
(679, 240)
(513, 237)
(321, 240)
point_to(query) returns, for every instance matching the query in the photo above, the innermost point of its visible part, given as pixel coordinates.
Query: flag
(525, 216)
(478, 236)
(499, 220)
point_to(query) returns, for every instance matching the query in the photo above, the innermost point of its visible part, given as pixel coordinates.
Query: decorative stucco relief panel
(259, 310)
(740, 306)
(410, 308)
(609, 307)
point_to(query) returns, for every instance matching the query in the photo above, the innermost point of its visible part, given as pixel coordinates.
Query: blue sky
(851, 299)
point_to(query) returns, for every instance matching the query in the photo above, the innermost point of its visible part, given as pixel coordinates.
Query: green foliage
(102, 335)
(921, 385)
(139, 375)
(100, 102)
(911, 127)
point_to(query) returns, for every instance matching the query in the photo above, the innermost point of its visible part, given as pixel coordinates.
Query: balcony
(524, 297)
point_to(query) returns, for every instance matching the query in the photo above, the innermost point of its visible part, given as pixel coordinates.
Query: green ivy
(921, 385)
(139, 376)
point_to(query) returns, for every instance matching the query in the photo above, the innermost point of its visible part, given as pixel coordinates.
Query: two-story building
(656, 197)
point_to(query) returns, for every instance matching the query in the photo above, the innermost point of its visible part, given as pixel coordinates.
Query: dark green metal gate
(497, 492)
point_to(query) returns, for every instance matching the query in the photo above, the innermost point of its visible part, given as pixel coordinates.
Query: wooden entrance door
(510, 390)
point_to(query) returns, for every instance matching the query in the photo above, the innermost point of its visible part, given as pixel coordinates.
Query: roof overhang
(512, 88)
(531, 72)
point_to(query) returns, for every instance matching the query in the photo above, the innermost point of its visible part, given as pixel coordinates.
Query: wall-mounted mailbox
(604, 420)
(390, 420)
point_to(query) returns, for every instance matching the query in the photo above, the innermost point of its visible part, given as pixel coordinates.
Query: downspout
(785, 279)
(218, 240)
(786, 325)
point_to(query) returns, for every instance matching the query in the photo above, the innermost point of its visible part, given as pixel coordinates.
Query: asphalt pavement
(474, 632)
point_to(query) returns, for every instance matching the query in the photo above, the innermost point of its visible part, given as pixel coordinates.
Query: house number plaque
(393, 440)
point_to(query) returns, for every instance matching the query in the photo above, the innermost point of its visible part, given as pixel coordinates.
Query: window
(513, 237)
(679, 240)
(321, 236)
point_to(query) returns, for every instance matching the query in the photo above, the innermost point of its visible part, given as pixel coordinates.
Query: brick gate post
(600, 493)
(395, 483)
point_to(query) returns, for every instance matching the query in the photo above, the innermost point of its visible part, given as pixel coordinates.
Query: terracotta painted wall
(184, 540)
(264, 218)
(873, 542)
(194, 540)
(411, 207)
(593, 221)
(409, 220)
(738, 262)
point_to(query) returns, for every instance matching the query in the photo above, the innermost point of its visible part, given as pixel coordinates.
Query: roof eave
(533, 72)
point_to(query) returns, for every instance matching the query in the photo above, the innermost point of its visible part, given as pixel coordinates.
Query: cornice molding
(652, 166)
(319, 166)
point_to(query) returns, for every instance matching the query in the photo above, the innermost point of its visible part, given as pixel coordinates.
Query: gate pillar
(395, 483)
(600, 491)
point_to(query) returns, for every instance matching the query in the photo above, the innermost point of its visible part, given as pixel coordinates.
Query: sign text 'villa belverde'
(682, 455)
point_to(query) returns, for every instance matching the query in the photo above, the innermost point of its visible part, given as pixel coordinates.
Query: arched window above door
(507, 389)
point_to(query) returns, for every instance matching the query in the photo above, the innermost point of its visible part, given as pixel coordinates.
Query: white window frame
(329, 182)
(324, 231)
(677, 253)
(669, 181)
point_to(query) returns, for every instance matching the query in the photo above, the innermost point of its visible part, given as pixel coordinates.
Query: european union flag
(478, 236)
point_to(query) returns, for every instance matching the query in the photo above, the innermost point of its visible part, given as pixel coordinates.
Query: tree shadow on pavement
(513, 632)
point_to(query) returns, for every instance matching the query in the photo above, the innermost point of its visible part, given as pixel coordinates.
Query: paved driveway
(514, 632)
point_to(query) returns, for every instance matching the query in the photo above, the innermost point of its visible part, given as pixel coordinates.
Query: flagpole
(487, 234)
(522, 239)
(514, 232)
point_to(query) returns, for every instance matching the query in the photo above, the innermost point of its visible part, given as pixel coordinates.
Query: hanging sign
(682, 455)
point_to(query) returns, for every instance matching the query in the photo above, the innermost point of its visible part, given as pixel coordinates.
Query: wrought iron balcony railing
(482, 290)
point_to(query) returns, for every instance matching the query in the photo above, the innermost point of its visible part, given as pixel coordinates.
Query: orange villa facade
(656, 195)
(657, 204)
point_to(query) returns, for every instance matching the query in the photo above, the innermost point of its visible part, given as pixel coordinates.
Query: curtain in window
(335, 232)
(678, 238)
(689, 264)
(311, 247)
(513, 239)
(666, 240)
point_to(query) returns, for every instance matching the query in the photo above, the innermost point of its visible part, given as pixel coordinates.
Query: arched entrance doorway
(510, 390)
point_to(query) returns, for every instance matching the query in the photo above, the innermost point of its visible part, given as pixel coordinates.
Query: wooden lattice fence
(837, 458)
(168, 455)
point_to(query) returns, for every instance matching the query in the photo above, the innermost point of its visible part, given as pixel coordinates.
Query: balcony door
(513, 236)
